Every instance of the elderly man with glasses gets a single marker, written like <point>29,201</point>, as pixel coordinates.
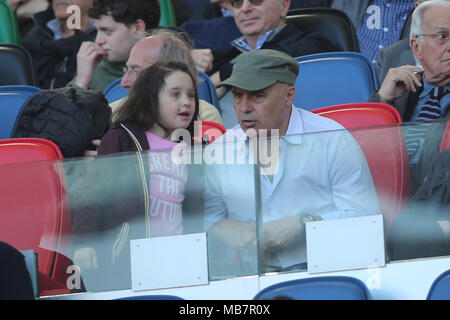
<point>263,26</point>
<point>421,95</point>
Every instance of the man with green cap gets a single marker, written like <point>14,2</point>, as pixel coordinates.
<point>304,177</point>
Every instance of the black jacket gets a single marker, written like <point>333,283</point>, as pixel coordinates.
<point>70,118</point>
<point>55,61</point>
<point>15,281</point>
<point>289,39</point>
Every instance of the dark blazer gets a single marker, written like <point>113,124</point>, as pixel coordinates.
<point>396,55</point>
<point>289,39</point>
<point>405,104</point>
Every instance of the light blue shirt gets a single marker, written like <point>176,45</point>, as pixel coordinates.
<point>323,174</point>
<point>243,44</point>
<point>227,13</point>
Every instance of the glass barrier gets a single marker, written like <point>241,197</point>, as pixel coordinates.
<point>254,198</point>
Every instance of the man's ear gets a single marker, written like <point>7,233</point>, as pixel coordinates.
<point>284,4</point>
<point>290,95</point>
<point>139,27</point>
<point>414,43</point>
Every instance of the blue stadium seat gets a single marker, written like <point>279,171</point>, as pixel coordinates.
<point>440,289</point>
<point>206,90</point>
<point>115,91</point>
<point>12,98</point>
<point>152,297</point>
<point>332,78</point>
<point>317,288</point>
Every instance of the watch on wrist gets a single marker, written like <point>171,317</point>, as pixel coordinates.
<point>306,218</point>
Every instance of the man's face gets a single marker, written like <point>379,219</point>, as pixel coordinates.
<point>255,20</point>
<point>60,7</point>
<point>115,38</point>
<point>268,108</point>
<point>142,56</point>
<point>434,50</point>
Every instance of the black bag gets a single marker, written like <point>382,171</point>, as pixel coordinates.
<point>70,118</point>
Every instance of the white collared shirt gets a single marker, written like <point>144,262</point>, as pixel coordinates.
<point>321,174</point>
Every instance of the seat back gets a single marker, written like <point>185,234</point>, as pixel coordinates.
<point>206,90</point>
<point>317,288</point>
<point>404,33</point>
<point>167,14</point>
<point>12,98</point>
<point>9,27</point>
<point>446,138</point>
<point>333,24</point>
<point>115,91</point>
<point>373,127</point>
<point>209,130</point>
<point>34,208</point>
<point>16,67</point>
<point>332,78</point>
<point>440,289</point>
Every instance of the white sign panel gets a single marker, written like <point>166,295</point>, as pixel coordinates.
<point>345,244</point>
<point>167,262</point>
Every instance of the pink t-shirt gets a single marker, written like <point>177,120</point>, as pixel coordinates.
<point>166,183</point>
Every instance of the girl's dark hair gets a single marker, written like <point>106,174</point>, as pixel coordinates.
<point>141,106</point>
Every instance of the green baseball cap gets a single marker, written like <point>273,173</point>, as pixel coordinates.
<point>258,69</point>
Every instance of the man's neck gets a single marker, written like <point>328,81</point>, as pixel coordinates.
<point>253,40</point>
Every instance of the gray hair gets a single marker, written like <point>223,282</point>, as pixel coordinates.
<point>417,17</point>
<point>175,48</point>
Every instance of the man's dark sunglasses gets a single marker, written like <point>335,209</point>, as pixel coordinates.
<point>238,3</point>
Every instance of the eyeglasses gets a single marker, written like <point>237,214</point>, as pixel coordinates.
<point>238,3</point>
<point>441,36</point>
<point>133,73</point>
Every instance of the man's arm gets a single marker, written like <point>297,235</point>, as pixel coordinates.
<point>398,81</point>
<point>88,57</point>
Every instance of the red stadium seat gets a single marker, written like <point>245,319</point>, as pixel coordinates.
<point>446,138</point>
<point>34,208</point>
<point>210,130</point>
<point>373,127</point>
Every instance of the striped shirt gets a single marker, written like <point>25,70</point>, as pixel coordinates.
<point>382,25</point>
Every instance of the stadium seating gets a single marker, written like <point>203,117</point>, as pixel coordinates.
<point>35,213</point>
<point>9,28</point>
<point>115,91</point>
<point>404,33</point>
<point>317,288</point>
<point>16,67</point>
<point>210,131</point>
<point>332,78</point>
<point>373,125</point>
<point>12,98</point>
<point>333,24</point>
<point>440,289</point>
